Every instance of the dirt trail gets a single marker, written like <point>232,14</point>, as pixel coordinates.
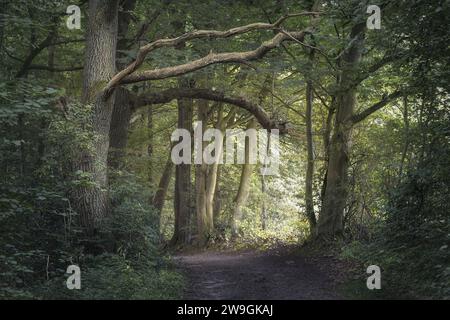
<point>275,274</point>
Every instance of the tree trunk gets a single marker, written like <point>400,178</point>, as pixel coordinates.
<point>204,224</point>
<point>213,174</point>
<point>217,207</point>
<point>118,132</point>
<point>335,196</point>
<point>406,138</point>
<point>309,200</point>
<point>244,186</point>
<point>183,185</point>
<point>91,200</point>
<point>150,143</point>
<point>122,110</point>
<point>163,186</point>
<point>263,205</point>
<point>160,195</point>
<point>3,11</point>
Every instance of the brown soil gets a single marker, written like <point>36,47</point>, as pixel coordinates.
<point>276,274</point>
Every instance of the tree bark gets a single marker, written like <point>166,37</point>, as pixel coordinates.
<point>204,224</point>
<point>244,186</point>
<point>91,200</point>
<point>406,138</point>
<point>309,200</point>
<point>163,186</point>
<point>150,143</point>
<point>217,206</point>
<point>118,132</point>
<point>122,110</point>
<point>213,174</point>
<point>183,184</point>
<point>328,126</point>
<point>255,109</point>
<point>331,217</point>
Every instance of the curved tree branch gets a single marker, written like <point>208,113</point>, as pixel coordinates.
<point>143,51</point>
<point>212,95</point>
<point>212,58</point>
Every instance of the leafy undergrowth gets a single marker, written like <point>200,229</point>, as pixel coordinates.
<point>347,273</point>
<point>113,277</point>
<point>407,272</point>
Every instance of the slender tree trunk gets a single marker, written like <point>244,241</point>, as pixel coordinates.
<point>163,186</point>
<point>328,126</point>
<point>269,81</point>
<point>406,137</point>
<point>204,225</point>
<point>309,200</point>
<point>91,200</point>
<point>3,10</point>
<point>335,196</point>
<point>263,189</point>
<point>150,142</point>
<point>244,186</point>
<point>183,184</point>
<point>263,205</point>
<point>213,175</point>
<point>122,110</point>
<point>119,128</point>
<point>217,206</point>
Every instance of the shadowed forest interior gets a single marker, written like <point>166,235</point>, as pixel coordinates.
<point>353,96</point>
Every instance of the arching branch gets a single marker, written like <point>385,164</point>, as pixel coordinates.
<point>212,95</point>
<point>212,58</point>
<point>124,76</point>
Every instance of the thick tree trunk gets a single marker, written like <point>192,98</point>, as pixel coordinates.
<point>244,186</point>
<point>183,184</point>
<point>91,200</point>
<point>335,196</point>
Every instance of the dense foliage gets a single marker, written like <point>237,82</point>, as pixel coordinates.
<point>364,156</point>
<point>40,236</point>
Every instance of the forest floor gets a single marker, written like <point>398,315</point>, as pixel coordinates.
<point>277,274</point>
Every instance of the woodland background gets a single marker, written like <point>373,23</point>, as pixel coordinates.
<point>85,169</point>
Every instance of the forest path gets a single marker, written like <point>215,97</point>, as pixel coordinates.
<point>275,274</point>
